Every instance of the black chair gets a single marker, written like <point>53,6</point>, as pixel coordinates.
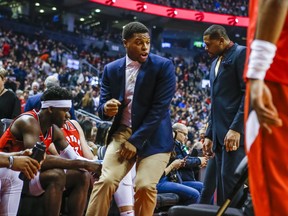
<point>102,132</point>
<point>241,174</point>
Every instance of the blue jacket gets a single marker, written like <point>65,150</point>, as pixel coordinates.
<point>154,89</point>
<point>227,96</point>
<point>186,172</point>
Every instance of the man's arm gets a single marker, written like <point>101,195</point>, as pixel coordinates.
<point>263,50</point>
<point>18,161</point>
<point>28,105</point>
<point>28,129</point>
<point>52,162</point>
<point>105,95</point>
<point>232,138</point>
<point>238,121</point>
<point>271,12</point>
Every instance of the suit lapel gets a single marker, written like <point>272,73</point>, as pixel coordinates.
<point>212,71</point>
<point>122,75</point>
<point>225,60</point>
<point>140,77</point>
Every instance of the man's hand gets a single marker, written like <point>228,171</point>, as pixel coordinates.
<point>232,140</point>
<point>111,107</point>
<point>27,165</point>
<point>204,161</point>
<point>93,166</point>
<point>261,100</point>
<point>207,147</point>
<point>127,150</point>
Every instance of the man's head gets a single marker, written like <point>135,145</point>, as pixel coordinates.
<point>136,40</point>
<point>58,102</point>
<point>181,132</point>
<point>35,86</point>
<point>51,81</point>
<point>216,40</point>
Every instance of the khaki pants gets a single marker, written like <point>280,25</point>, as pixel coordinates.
<point>148,172</point>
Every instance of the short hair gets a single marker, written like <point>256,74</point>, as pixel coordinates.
<point>216,32</point>
<point>35,84</point>
<point>3,73</point>
<point>51,81</point>
<point>56,93</point>
<point>178,126</point>
<point>133,27</point>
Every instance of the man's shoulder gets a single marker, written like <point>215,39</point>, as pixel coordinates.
<point>240,47</point>
<point>35,97</point>
<point>25,120</point>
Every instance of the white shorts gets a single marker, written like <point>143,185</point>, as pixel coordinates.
<point>35,188</point>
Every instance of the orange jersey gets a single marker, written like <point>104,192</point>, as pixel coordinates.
<point>72,136</point>
<point>277,72</point>
<point>9,143</point>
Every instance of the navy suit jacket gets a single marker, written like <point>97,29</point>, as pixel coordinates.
<point>154,89</point>
<point>227,96</point>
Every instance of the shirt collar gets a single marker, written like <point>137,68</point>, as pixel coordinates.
<point>131,62</point>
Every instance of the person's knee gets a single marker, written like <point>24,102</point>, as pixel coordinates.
<point>54,177</point>
<point>83,178</point>
<point>194,197</point>
<point>142,186</point>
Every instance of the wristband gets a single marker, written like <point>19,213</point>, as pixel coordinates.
<point>261,57</point>
<point>11,161</point>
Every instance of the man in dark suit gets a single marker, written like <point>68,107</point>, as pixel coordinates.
<point>226,123</point>
<point>136,91</point>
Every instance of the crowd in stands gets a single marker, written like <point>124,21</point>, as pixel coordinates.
<point>237,8</point>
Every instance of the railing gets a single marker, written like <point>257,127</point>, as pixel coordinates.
<point>103,127</point>
<point>86,66</point>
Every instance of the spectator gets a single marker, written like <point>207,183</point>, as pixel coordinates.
<point>88,103</point>
<point>9,103</point>
<point>181,182</point>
